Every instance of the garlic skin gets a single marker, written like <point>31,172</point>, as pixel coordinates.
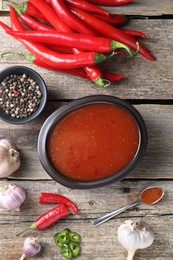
<point>30,247</point>
<point>133,235</point>
<point>9,158</point>
<point>12,197</point>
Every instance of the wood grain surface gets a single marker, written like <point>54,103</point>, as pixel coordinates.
<point>144,79</point>
<point>148,86</point>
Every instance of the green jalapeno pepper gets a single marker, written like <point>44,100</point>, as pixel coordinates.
<point>74,237</point>
<point>75,249</point>
<point>68,242</point>
<point>66,252</point>
<point>62,237</point>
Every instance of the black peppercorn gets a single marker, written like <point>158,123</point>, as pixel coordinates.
<point>19,95</point>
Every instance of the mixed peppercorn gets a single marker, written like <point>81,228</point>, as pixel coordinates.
<point>19,96</point>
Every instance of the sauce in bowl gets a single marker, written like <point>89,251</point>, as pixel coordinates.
<point>93,142</point>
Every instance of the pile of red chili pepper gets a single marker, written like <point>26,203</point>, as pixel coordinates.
<point>73,36</point>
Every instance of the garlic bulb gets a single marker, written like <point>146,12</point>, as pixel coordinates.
<point>134,235</point>
<point>12,197</point>
<point>30,247</point>
<point>9,158</point>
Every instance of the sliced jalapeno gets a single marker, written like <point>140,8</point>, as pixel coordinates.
<point>66,252</point>
<point>75,249</point>
<point>62,237</point>
<point>74,237</point>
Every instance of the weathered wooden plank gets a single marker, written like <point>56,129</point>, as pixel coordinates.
<point>98,243</point>
<point>144,79</point>
<point>157,162</point>
<point>91,203</point>
<point>145,7</point>
<point>138,7</point>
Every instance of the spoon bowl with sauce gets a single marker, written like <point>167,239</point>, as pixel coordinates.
<point>150,196</point>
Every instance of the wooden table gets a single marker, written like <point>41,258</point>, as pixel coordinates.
<point>149,87</point>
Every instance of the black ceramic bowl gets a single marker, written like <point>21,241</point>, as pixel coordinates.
<point>60,113</point>
<point>20,70</point>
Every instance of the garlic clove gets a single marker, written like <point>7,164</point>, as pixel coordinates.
<point>9,158</point>
<point>31,247</point>
<point>12,197</point>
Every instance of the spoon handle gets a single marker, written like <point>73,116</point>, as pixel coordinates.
<point>114,213</point>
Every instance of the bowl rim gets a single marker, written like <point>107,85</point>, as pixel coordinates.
<point>73,105</point>
<point>43,88</point>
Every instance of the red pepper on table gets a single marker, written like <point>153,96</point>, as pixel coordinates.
<point>114,19</point>
<point>110,2</point>
<point>98,74</point>
<point>112,77</point>
<point>35,24</point>
<point>28,9</point>
<point>48,218</point>
<point>69,18</point>
<point>84,5</point>
<point>134,33</point>
<point>81,41</point>
<point>50,15</point>
<point>95,73</point>
<point>112,32</point>
<point>52,198</point>
<point>53,58</point>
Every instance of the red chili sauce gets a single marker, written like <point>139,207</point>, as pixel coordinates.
<point>93,142</point>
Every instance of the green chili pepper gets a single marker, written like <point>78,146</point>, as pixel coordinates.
<point>75,249</point>
<point>68,242</point>
<point>66,252</point>
<point>74,237</point>
<point>62,237</point>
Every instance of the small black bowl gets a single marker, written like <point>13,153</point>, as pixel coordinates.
<point>61,112</point>
<point>20,70</point>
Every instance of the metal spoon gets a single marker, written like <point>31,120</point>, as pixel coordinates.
<point>114,213</point>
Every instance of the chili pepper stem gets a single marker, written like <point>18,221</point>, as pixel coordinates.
<point>137,50</point>
<point>107,83</point>
<point>32,227</point>
<point>99,82</point>
<point>27,56</point>
<point>99,58</point>
<point>118,45</point>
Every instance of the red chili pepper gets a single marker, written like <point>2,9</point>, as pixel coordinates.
<point>54,58</point>
<point>112,32</point>
<point>61,49</point>
<point>110,2</point>
<point>50,15</point>
<point>73,40</point>
<point>65,28</point>
<point>112,77</point>
<point>52,198</point>
<point>69,18</point>
<point>134,33</point>
<point>76,72</point>
<point>29,9</point>
<point>84,5</point>
<point>114,19</point>
<point>35,24</point>
<point>48,218</point>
